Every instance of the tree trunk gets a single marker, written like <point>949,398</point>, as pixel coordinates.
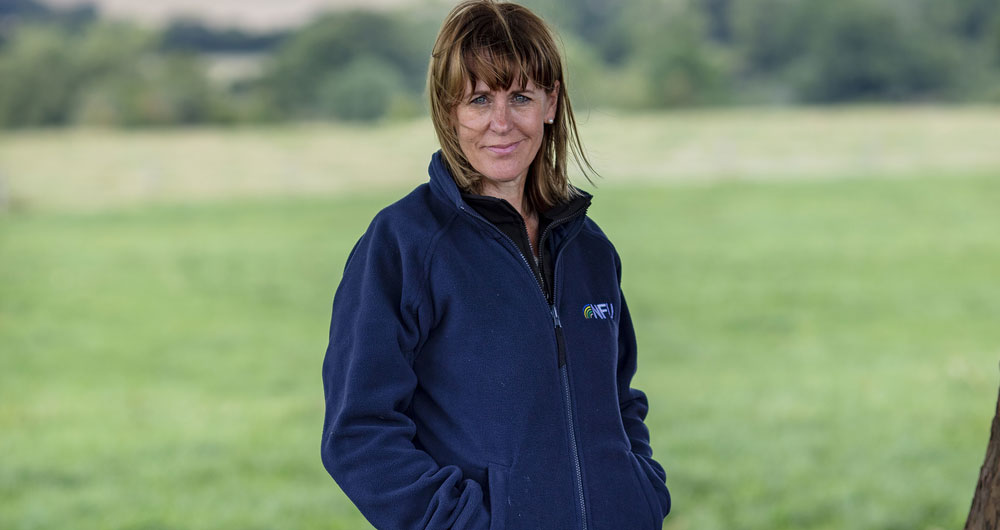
<point>985,512</point>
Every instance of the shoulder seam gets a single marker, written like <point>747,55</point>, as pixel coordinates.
<point>601,236</point>
<point>429,251</point>
<point>598,234</point>
<point>425,264</point>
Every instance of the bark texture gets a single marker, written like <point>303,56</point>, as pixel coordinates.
<point>985,512</point>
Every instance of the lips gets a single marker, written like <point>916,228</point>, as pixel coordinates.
<point>503,149</point>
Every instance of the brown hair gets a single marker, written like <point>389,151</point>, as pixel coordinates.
<point>502,43</point>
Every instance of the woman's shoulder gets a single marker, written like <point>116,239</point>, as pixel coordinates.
<point>600,241</point>
<point>407,228</point>
<point>591,230</point>
<point>417,215</point>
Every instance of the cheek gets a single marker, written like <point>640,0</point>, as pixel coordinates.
<point>531,124</point>
<point>470,118</point>
<point>466,135</point>
<point>467,138</point>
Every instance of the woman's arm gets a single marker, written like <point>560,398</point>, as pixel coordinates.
<point>634,404</point>
<point>368,380</point>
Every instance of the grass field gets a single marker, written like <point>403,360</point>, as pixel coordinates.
<point>819,352</point>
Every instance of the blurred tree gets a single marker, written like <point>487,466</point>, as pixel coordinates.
<point>193,36</point>
<point>993,43</point>
<point>604,24</point>
<point>719,14</point>
<point>110,49</point>
<point>15,13</point>
<point>644,53</point>
<point>867,51</point>
<point>772,34</point>
<point>596,84</point>
<point>985,511</point>
<point>971,19</point>
<point>363,90</point>
<point>978,23</point>
<point>23,8</point>
<point>30,95</point>
<point>304,64</point>
<point>125,81</point>
<point>161,90</point>
<point>107,74</point>
<point>682,67</point>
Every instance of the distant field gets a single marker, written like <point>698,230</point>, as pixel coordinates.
<point>250,14</point>
<point>88,169</point>
<point>818,341</point>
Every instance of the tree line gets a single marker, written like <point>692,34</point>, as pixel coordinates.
<point>60,67</point>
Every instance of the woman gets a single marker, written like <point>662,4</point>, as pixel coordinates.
<point>480,357</point>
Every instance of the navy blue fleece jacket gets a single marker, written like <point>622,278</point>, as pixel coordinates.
<point>457,397</point>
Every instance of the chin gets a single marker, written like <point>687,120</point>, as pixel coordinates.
<point>503,175</point>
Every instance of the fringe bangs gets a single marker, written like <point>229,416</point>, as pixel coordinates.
<point>489,52</point>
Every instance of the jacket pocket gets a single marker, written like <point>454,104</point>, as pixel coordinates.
<point>497,476</point>
<point>647,490</point>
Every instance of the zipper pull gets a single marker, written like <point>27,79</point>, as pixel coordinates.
<point>555,316</point>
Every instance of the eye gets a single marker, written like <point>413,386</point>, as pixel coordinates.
<point>520,98</point>
<point>478,100</point>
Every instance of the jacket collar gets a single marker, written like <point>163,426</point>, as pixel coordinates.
<point>442,182</point>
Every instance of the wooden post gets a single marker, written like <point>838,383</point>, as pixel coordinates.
<point>985,512</point>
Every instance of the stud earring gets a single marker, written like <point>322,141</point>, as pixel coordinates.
<point>550,121</point>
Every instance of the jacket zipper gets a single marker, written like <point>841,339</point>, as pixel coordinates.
<point>564,378</point>
<point>561,348</point>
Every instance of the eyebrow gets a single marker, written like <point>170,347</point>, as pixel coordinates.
<point>488,92</point>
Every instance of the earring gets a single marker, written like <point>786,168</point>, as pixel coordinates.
<point>550,121</point>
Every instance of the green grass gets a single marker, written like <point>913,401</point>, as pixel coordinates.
<point>817,354</point>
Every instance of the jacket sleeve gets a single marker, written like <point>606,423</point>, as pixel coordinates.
<point>368,380</point>
<point>634,404</point>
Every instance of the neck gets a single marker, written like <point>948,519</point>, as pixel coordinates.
<point>512,192</point>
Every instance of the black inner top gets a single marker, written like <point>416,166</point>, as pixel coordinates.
<point>505,217</point>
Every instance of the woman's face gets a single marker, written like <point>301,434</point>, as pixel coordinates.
<point>500,131</point>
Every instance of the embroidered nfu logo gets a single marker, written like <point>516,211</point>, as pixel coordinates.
<point>602,311</point>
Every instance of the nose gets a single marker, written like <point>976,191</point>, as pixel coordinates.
<point>500,117</point>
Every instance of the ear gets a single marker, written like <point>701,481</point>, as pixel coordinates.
<point>553,101</point>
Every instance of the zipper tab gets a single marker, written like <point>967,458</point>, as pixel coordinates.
<point>560,339</point>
